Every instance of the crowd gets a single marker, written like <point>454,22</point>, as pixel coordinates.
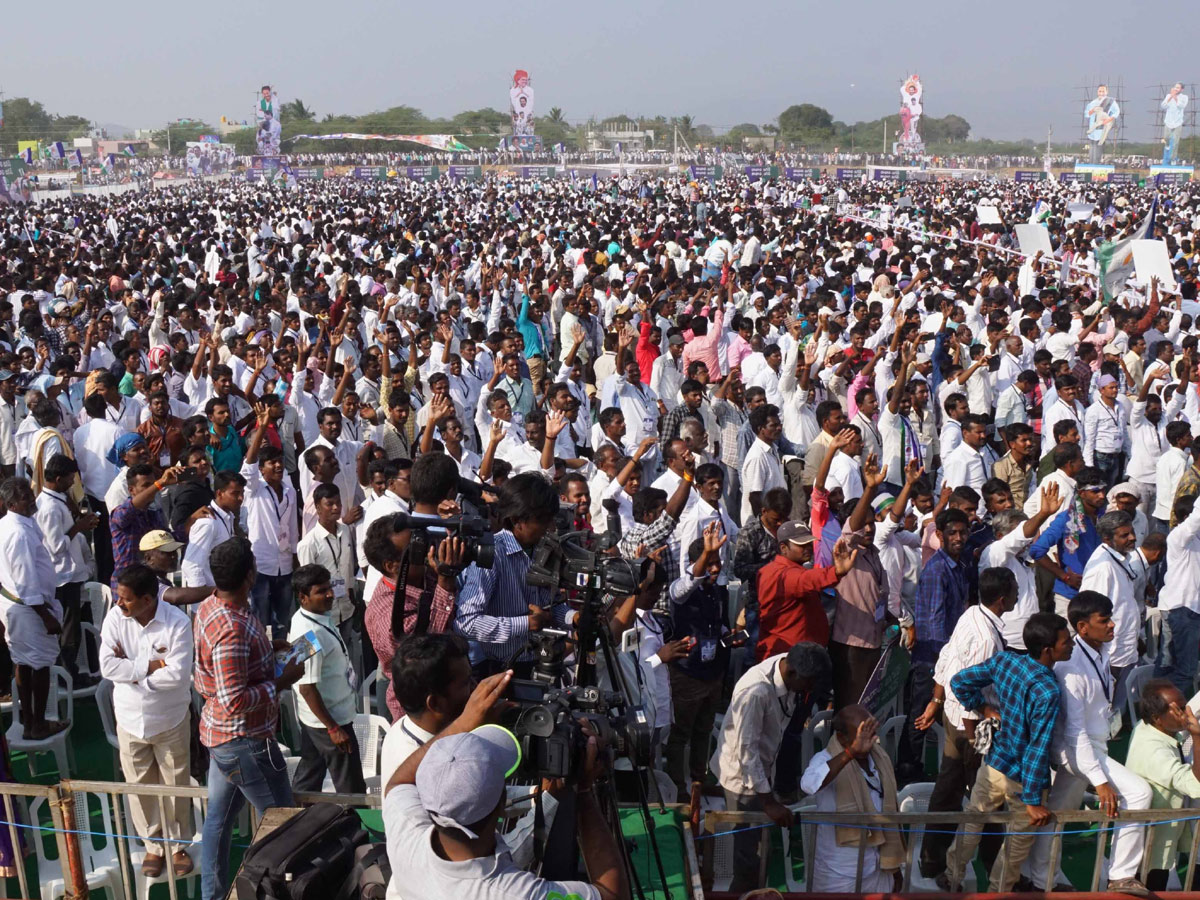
<point>817,436</point>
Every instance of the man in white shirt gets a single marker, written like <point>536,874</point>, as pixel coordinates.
<point>326,702</point>
<point>1174,461</point>
<point>765,701</point>
<point>1149,440</point>
<point>396,481</point>
<point>666,374</point>
<point>329,543</point>
<point>965,466</point>
<point>1179,601</point>
<point>1109,573</point>
<point>146,652</point>
<point>92,442</point>
<point>1065,406</point>
<point>272,525</point>
<point>762,469</point>
<point>1106,432</point>
<point>1090,718</point>
<point>220,524</point>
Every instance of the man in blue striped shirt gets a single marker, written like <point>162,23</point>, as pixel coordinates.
<point>1016,771</point>
<point>496,608</point>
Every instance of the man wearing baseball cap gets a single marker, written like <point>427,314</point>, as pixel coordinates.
<point>441,808</point>
<point>160,553</point>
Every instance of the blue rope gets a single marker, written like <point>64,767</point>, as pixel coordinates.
<point>1111,826</point>
<point>47,829</point>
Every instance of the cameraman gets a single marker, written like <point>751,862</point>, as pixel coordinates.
<point>496,608</point>
<point>441,808</point>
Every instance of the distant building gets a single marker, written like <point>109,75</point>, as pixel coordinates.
<point>605,137</point>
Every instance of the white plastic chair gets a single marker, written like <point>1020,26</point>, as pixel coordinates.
<point>367,693</point>
<point>99,597</point>
<point>108,718</point>
<point>137,851</point>
<point>87,632</point>
<point>60,706</point>
<point>915,798</point>
<point>889,736</point>
<point>370,730</point>
<point>1133,689</point>
<point>98,849</point>
<point>815,736</point>
<point>807,834</point>
<point>289,722</point>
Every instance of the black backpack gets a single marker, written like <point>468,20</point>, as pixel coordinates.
<point>309,857</point>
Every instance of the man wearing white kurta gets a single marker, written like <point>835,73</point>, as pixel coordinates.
<point>1081,735</point>
<point>1108,572</point>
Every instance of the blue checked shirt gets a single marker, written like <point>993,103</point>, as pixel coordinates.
<point>493,604</point>
<point>941,598</point>
<point>1028,695</point>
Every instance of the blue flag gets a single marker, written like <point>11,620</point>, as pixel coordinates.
<point>595,183</point>
<point>76,157</point>
<point>514,211</point>
<point>128,150</point>
<point>58,151</point>
<point>27,155</point>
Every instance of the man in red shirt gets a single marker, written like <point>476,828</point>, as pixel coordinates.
<point>789,595</point>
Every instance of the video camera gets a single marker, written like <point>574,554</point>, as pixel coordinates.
<point>429,531</point>
<point>548,717</point>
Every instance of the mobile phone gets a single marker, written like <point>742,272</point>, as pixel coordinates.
<point>735,638</point>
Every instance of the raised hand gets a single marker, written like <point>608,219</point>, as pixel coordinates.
<point>555,423</point>
<point>842,439</point>
<point>872,475</point>
<point>864,740</point>
<point>913,472</point>
<point>1051,498</point>
<point>714,537</point>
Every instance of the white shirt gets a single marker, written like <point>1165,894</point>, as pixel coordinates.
<point>92,441</point>
<point>768,379</point>
<point>1171,466</point>
<point>1148,442</point>
<point>1109,572</point>
<point>748,745</point>
<point>383,505</point>
<point>54,518</point>
<point>271,522</point>
<point>1085,698</point>
<point>1183,566</point>
<point>147,705</point>
<point>328,669</point>
<point>1105,429</point>
<point>838,871</point>
<point>844,473</point>
<point>1059,410</point>
<point>336,553</point>
<point>965,466</point>
<point>977,637</point>
<point>207,532</point>
<point>1011,406</point>
<point>698,516</point>
<point>1009,552</point>
<point>762,470</point>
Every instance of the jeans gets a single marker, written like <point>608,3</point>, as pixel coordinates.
<point>1171,136</point>
<point>1179,648</point>
<point>1111,465</point>
<point>271,601</point>
<point>239,770</point>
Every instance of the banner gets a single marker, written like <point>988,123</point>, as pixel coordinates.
<point>521,105</point>
<point>889,175</point>
<point>802,174</point>
<point>423,173</point>
<point>756,173</point>
<point>850,174</point>
<point>537,171</point>
<point>371,173</point>
<point>1071,177</point>
<point>710,173</point>
<point>1026,176</point>
<point>207,158</point>
<point>887,681</point>
<point>471,173</point>
<point>447,142</point>
<point>309,173</point>
<point>266,117</point>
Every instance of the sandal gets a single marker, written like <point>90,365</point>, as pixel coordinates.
<point>152,866</point>
<point>182,863</point>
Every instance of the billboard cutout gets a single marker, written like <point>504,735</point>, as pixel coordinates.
<point>207,158</point>
<point>266,117</point>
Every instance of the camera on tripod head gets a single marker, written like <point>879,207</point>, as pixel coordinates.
<point>429,531</point>
<point>548,716</point>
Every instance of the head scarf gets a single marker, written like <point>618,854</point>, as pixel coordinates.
<point>116,455</point>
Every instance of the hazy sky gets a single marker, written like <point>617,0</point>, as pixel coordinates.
<point>1011,69</point>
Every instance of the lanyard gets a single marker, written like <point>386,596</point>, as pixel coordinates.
<point>336,554</point>
<point>337,637</point>
<point>1104,682</point>
<point>1120,562</point>
<point>279,511</point>
<point>404,728</point>
<point>216,515</point>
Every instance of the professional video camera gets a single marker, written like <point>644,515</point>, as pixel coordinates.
<point>428,531</point>
<point>548,716</point>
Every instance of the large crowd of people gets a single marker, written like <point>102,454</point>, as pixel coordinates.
<point>822,419</point>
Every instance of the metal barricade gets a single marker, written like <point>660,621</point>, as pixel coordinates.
<point>14,810</point>
<point>718,823</point>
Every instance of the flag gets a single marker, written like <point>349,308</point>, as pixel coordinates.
<point>128,150</point>
<point>104,162</point>
<point>1116,257</point>
<point>58,151</point>
<point>1041,212</point>
<point>595,183</point>
<point>560,148</point>
<point>77,157</point>
<point>27,155</point>
<point>617,148</point>
<point>503,145</point>
<point>514,212</point>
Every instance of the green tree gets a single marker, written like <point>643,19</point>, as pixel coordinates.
<point>805,122</point>
<point>556,116</point>
<point>28,120</point>
<point>180,132</point>
<point>295,110</point>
